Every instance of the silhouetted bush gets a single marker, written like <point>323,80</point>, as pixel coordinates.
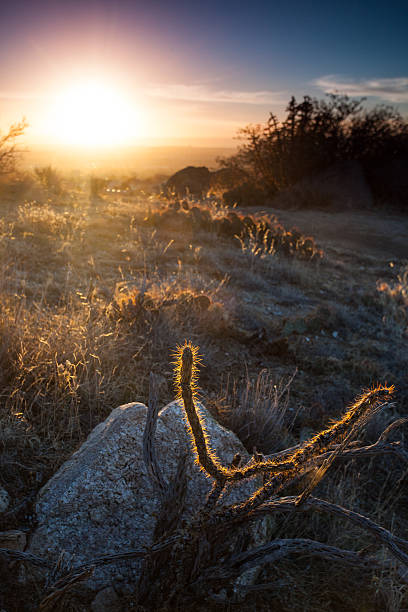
<point>316,135</point>
<point>8,148</point>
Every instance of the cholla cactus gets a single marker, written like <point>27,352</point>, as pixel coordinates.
<point>279,472</point>
<point>202,557</point>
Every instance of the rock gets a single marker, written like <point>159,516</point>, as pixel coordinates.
<point>106,601</point>
<point>194,180</point>
<point>13,539</point>
<point>4,500</point>
<point>225,178</point>
<point>101,500</point>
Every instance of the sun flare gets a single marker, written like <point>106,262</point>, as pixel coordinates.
<point>94,114</point>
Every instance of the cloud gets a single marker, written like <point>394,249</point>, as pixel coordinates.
<point>391,90</point>
<point>201,93</point>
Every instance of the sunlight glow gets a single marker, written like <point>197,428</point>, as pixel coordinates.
<point>92,114</point>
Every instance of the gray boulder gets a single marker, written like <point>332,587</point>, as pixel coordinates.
<point>101,501</point>
<point>194,180</point>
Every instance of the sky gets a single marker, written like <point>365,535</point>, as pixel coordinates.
<point>115,73</point>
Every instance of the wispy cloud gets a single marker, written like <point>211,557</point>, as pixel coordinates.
<point>391,90</point>
<point>202,93</point>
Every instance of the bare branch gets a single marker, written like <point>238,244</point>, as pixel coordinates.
<point>61,587</point>
<point>16,555</point>
<point>279,549</point>
<point>385,434</point>
<point>149,452</point>
<point>381,447</point>
<point>397,546</point>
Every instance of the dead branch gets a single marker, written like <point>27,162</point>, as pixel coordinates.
<point>277,550</point>
<point>385,434</point>
<point>149,452</point>
<point>61,587</point>
<point>16,555</point>
<point>397,546</point>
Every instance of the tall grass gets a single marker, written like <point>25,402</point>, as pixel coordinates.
<point>394,299</point>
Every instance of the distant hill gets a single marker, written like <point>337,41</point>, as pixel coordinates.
<point>141,160</point>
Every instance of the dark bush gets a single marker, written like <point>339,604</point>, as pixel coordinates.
<point>315,136</point>
<point>8,148</point>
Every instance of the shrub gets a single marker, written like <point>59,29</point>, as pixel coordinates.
<point>8,148</point>
<point>257,235</point>
<point>315,135</point>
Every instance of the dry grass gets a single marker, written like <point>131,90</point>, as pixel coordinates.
<point>394,299</point>
<point>95,294</point>
<point>258,411</point>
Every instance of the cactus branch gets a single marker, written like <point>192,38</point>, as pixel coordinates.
<point>186,375</point>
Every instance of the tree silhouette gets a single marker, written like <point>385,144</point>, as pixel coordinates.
<point>8,146</point>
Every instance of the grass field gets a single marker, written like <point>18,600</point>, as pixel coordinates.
<point>96,294</point>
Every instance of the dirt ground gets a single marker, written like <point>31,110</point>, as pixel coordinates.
<point>384,236</point>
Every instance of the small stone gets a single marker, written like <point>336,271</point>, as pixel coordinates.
<point>4,500</point>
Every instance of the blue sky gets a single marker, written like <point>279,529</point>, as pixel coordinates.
<point>201,70</point>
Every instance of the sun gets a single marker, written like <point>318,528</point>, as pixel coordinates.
<point>92,113</point>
